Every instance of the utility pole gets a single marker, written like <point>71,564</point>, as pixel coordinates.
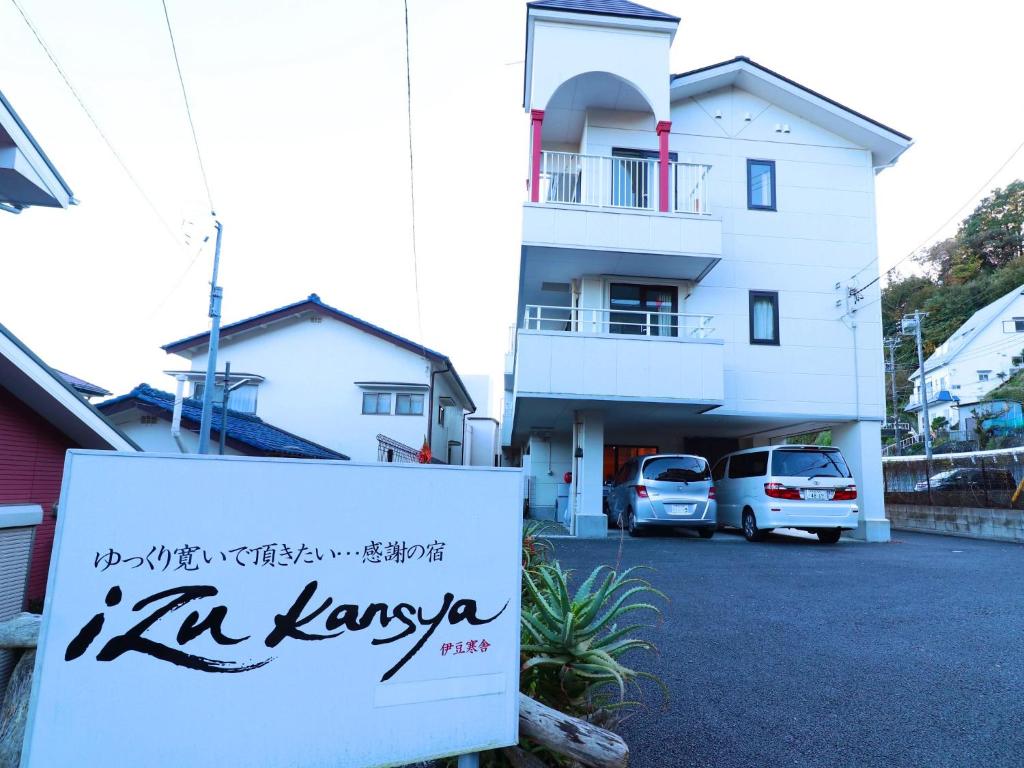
<point>912,324</point>
<point>892,343</point>
<point>216,294</point>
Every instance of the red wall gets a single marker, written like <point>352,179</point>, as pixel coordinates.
<point>31,465</point>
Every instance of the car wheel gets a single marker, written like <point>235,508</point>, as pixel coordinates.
<point>707,533</point>
<point>631,524</point>
<point>829,535</point>
<point>750,530</point>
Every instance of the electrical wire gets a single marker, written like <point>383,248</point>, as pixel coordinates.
<point>188,108</point>
<point>95,123</point>
<point>412,174</point>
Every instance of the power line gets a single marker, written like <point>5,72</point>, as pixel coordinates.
<point>944,224</point>
<point>188,108</point>
<point>412,175</point>
<point>81,103</point>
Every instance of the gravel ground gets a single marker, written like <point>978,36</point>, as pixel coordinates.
<point>794,653</point>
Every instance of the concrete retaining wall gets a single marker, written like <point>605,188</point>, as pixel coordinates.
<point>969,522</point>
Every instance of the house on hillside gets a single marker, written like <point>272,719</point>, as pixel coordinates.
<point>41,417</point>
<point>338,381</point>
<point>687,251</point>
<point>979,356</point>
<point>147,416</point>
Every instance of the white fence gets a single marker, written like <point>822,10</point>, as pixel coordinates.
<point>538,317</point>
<point>621,182</point>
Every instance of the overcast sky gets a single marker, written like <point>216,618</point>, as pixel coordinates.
<point>300,110</point>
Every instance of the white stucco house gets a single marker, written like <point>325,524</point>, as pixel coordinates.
<point>692,254</point>
<point>336,381</point>
<point>977,358</point>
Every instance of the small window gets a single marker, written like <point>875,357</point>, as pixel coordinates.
<point>983,375</point>
<point>1018,324</point>
<point>761,185</point>
<point>676,469</point>
<point>764,317</point>
<point>719,471</point>
<point>409,405</point>
<point>377,403</point>
<point>749,464</point>
<point>809,463</point>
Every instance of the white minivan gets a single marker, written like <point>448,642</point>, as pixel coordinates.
<point>808,487</point>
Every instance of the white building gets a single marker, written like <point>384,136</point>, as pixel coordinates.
<point>976,359</point>
<point>692,245</point>
<point>337,381</point>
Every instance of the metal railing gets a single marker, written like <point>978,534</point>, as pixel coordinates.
<point>390,450</point>
<point>538,317</point>
<point>620,182</point>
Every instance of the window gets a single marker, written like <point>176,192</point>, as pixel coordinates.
<point>634,172</point>
<point>749,464</point>
<point>241,398</point>
<point>616,456</point>
<point>647,310</point>
<point>409,405</point>
<point>764,317</point>
<point>983,375</point>
<point>719,471</point>
<point>1018,324</point>
<point>677,469</point>
<point>761,185</point>
<point>377,403</point>
<point>809,462</point>
<point>440,415</point>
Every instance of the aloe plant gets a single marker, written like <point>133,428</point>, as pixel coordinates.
<point>573,644</point>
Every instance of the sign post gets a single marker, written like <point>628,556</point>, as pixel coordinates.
<point>304,613</point>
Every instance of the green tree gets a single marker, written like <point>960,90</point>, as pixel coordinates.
<point>993,231</point>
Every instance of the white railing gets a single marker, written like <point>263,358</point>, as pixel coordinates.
<point>538,317</point>
<point>691,188</point>
<point>621,182</point>
<point>906,442</point>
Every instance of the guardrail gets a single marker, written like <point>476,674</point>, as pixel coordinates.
<point>539,317</point>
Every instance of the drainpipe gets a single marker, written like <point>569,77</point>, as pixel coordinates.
<point>430,417</point>
<point>176,416</point>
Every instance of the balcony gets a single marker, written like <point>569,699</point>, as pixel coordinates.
<point>622,182</point>
<point>600,354</point>
<point>934,398</point>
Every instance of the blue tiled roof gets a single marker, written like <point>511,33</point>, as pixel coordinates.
<point>622,8</point>
<point>82,385</point>
<point>242,427</point>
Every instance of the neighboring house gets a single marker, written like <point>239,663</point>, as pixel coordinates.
<point>145,414</point>
<point>27,177</point>
<point>689,248</point>
<point>977,358</point>
<point>41,417</point>
<point>83,387</point>
<point>337,380</point>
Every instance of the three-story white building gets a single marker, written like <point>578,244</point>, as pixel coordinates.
<point>693,248</point>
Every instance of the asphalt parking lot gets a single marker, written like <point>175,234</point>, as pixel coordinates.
<point>794,653</point>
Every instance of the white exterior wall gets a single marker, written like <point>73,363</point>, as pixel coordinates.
<point>311,370</point>
<point>481,446</point>
<point>156,438</point>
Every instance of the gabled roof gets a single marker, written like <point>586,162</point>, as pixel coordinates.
<point>885,143</point>
<point>969,331</point>
<point>313,304</point>
<point>621,8</point>
<point>82,386</point>
<point>28,172</point>
<point>46,393</point>
<point>245,431</point>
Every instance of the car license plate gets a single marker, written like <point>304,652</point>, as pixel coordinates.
<point>817,495</point>
<point>679,509</point>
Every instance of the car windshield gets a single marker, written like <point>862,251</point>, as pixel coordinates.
<point>809,462</point>
<point>677,469</point>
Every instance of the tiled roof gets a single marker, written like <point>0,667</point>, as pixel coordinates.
<point>83,386</point>
<point>244,428</point>
<point>622,8</point>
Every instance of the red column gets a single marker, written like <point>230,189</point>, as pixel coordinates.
<point>663,128</point>
<point>537,123</point>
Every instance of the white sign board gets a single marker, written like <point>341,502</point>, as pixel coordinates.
<point>238,611</point>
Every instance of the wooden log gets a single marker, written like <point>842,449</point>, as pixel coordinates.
<point>20,631</point>
<point>14,712</point>
<point>588,744</point>
<point>520,758</point>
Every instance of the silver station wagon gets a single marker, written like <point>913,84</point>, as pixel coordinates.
<point>663,490</point>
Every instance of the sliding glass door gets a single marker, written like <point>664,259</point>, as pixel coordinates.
<point>643,309</point>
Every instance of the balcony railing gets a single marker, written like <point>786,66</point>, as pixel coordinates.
<point>621,182</point>
<point>539,317</point>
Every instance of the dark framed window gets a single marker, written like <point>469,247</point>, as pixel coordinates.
<point>764,317</point>
<point>1018,324</point>
<point>408,405</point>
<point>761,185</point>
<point>376,403</point>
<point>646,310</point>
